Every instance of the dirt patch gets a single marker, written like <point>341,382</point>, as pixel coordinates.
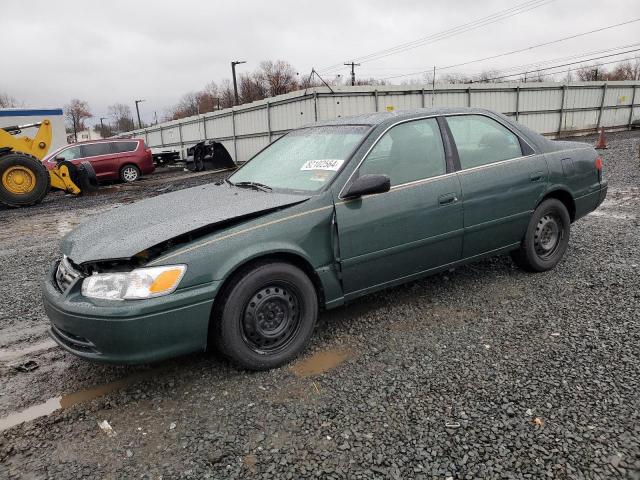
<point>320,362</point>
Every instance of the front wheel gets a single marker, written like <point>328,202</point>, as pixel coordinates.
<point>129,173</point>
<point>546,238</point>
<point>266,316</point>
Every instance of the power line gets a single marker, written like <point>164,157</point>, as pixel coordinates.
<point>516,51</point>
<point>564,65</point>
<point>494,17</point>
<point>537,65</point>
<point>371,70</point>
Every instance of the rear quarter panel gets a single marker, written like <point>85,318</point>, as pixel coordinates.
<point>572,168</point>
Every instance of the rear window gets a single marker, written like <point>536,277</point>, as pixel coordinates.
<point>95,149</point>
<point>123,147</point>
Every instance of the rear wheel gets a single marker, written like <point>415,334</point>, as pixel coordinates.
<point>266,316</point>
<point>546,238</point>
<point>24,180</point>
<point>129,173</point>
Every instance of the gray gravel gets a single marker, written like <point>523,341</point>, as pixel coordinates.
<point>483,372</point>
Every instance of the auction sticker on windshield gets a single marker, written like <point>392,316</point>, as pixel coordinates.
<point>328,164</point>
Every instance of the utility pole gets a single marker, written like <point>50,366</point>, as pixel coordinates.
<point>353,71</point>
<point>138,112</point>
<point>233,73</point>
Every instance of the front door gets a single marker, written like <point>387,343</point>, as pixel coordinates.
<point>413,228</point>
<point>501,178</point>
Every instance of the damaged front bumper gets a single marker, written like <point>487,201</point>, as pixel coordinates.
<point>130,331</point>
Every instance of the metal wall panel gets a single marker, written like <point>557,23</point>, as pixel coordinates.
<point>541,122</point>
<point>253,121</point>
<point>500,101</point>
<point>219,126</point>
<point>398,101</point>
<point>248,147</point>
<point>448,99</point>
<point>285,116</point>
<point>154,139</point>
<point>194,131</point>
<point>543,99</point>
<point>615,117</point>
<point>618,96</point>
<point>539,108</point>
<point>579,120</point>
<point>583,98</point>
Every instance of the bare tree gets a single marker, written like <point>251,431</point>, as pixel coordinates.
<point>488,76</point>
<point>122,117</point>
<point>455,78</point>
<point>588,73</point>
<point>105,131</point>
<point>227,98</point>
<point>279,77</point>
<point>252,87</point>
<point>7,101</point>
<point>76,112</point>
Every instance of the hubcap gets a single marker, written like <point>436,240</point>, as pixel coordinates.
<point>130,174</point>
<point>271,318</point>
<point>18,180</point>
<point>547,236</point>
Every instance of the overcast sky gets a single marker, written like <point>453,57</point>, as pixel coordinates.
<point>118,51</point>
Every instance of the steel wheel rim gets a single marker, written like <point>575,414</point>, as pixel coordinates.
<point>18,180</point>
<point>130,174</point>
<point>271,318</point>
<point>548,236</point>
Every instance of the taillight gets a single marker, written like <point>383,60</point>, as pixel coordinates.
<point>598,165</point>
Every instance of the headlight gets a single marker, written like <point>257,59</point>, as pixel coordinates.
<point>137,284</point>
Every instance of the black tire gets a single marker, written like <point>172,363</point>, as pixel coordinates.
<point>41,186</point>
<point>265,315</point>
<point>546,238</point>
<point>129,173</point>
<point>86,178</point>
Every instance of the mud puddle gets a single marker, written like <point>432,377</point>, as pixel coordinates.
<point>321,362</point>
<point>13,354</point>
<point>66,401</point>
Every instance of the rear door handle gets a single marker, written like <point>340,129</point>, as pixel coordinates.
<point>536,176</point>
<point>447,199</point>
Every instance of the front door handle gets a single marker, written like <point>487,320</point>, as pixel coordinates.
<point>536,176</point>
<point>447,199</point>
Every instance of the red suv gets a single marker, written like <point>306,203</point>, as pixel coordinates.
<point>112,159</point>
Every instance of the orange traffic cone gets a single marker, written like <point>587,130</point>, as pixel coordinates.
<point>602,141</point>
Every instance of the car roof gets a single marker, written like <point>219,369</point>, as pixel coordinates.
<point>378,118</point>
<point>104,140</point>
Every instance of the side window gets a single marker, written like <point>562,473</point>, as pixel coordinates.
<point>123,147</point>
<point>481,140</point>
<point>94,149</point>
<point>70,153</point>
<point>408,152</point>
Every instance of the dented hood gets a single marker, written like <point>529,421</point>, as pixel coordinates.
<point>127,230</point>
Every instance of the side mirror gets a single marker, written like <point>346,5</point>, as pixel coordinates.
<point>368,185</point>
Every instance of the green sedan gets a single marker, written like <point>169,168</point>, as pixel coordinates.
<point>325,214</point>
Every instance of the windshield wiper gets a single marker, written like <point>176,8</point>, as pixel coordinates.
<point>258,186</point>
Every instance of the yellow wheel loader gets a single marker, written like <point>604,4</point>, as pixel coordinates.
<point>24,180</point>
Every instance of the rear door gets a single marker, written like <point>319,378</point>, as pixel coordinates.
<point>101,158</point>
<point>501,178</point>
<point>413,228</point>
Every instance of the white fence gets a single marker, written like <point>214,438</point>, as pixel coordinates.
<point>549,108</point>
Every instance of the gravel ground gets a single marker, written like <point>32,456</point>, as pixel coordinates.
<point>482,372</point>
